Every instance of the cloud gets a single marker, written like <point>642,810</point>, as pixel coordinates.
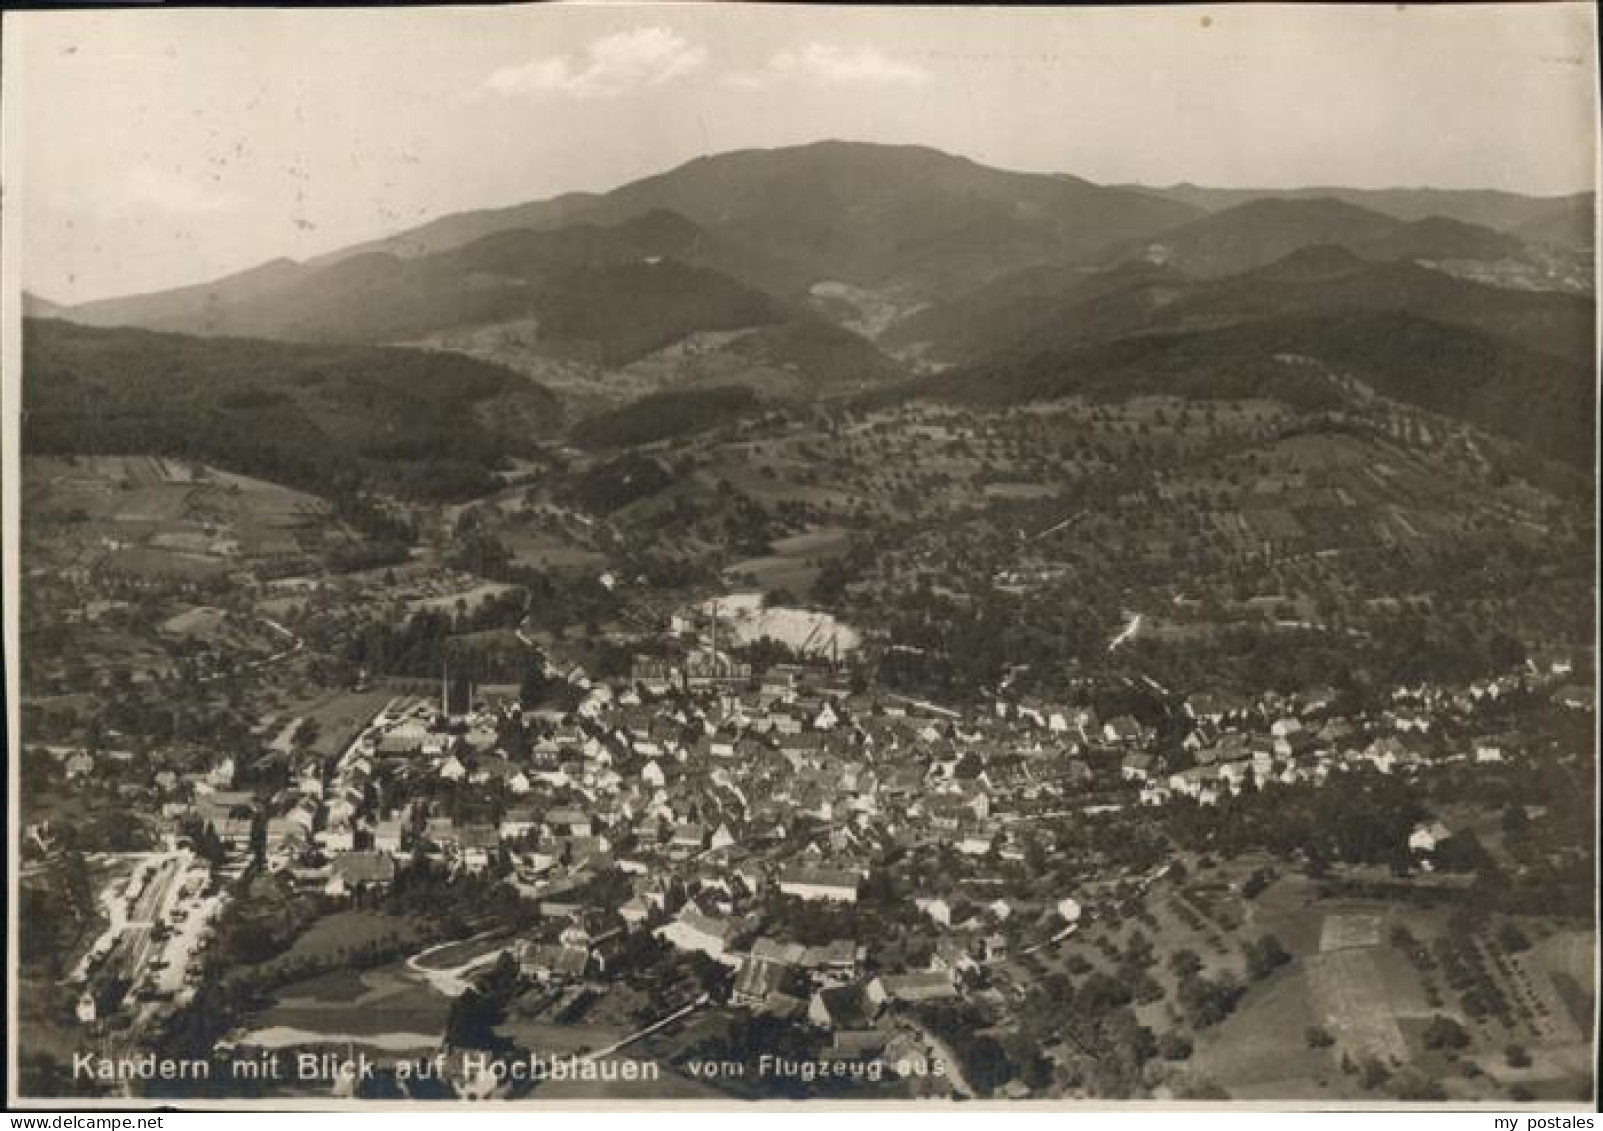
<point>146,188</point>
<point>826,64</point>
<point>610,66</point>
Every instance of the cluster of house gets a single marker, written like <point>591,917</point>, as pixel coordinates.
<point>830,984</point>
<point>793,783</point>
<point>708,797</point>
<point>1233,740</point>
<point>704,766</point>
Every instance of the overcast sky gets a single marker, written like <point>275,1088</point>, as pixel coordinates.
<point>154,148</point>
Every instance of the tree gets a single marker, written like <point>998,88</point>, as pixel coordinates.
<point>473,1017</point>
<point>1185,963</point>
<point>1462,852</point>
<point>1207,1002</point>
<point>1512,939</point>
<point>1445,1033</point>
<point>1256,883</point>
<point>258,840</point>
<point>533,684</point>
<point>1100,994</point>
<point>472,1020</point>
<point>985,1064</point>
<point>1036,1072</point>
<point>1174,1046</point>
<point>208,845</point>
<point>1517,1056</point>
<point>1138,950</point>
<point>1264,956</point>
<point>1372,1074</point>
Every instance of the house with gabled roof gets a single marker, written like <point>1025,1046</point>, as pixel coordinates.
<point>518,822</point>
<point>1137,767</point>
<point>835,960</point>
<point>688,837</point>
<point>441,831</point>
<point>693,930</point>
<point>352,872</point>
<point>340,836</point>
<point>1124,729</point>
<point>1427,836</point>
<point>1218,708</point>
<point>841,1007</point>
<point>567,821</point>
<point>816,883</point>
<point>387,835</point>
<point>756,980</point>
<point>547,962</point>
<point>912,988</point>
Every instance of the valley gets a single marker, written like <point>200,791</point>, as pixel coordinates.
<point>842,603</point>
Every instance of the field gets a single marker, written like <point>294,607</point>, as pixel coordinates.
<point>469,597</point>
<point>1557,978</point>
<point>332,935</point>
<point>1349,974</point>
<point>794,564</point>
<point>1350,978</point>
<point>1343,932</point>
<point>340,717</point>
<point>387,1000</point>
<point>392,1008</point>
<point>1367,997</point>
<point>240,638</point>
<point>335,986</point>
<point>388,1007</point>
<point>1359,995</point>
<point>179,516</point>
<point>151,562</point>
<point>546,550</point>
<point>517,345</point>
<point>1260,1048</point>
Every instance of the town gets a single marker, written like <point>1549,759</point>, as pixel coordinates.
<point>643,864</point>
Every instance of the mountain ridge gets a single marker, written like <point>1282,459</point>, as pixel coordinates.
<point>325,418</point>
<point>1499,209</point>
<point>1258,232</point>
<point>1136,296</point>
<point>884,213</point>
<point>1492,383</point>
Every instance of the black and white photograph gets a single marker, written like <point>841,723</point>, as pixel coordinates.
<point>700,555</point>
